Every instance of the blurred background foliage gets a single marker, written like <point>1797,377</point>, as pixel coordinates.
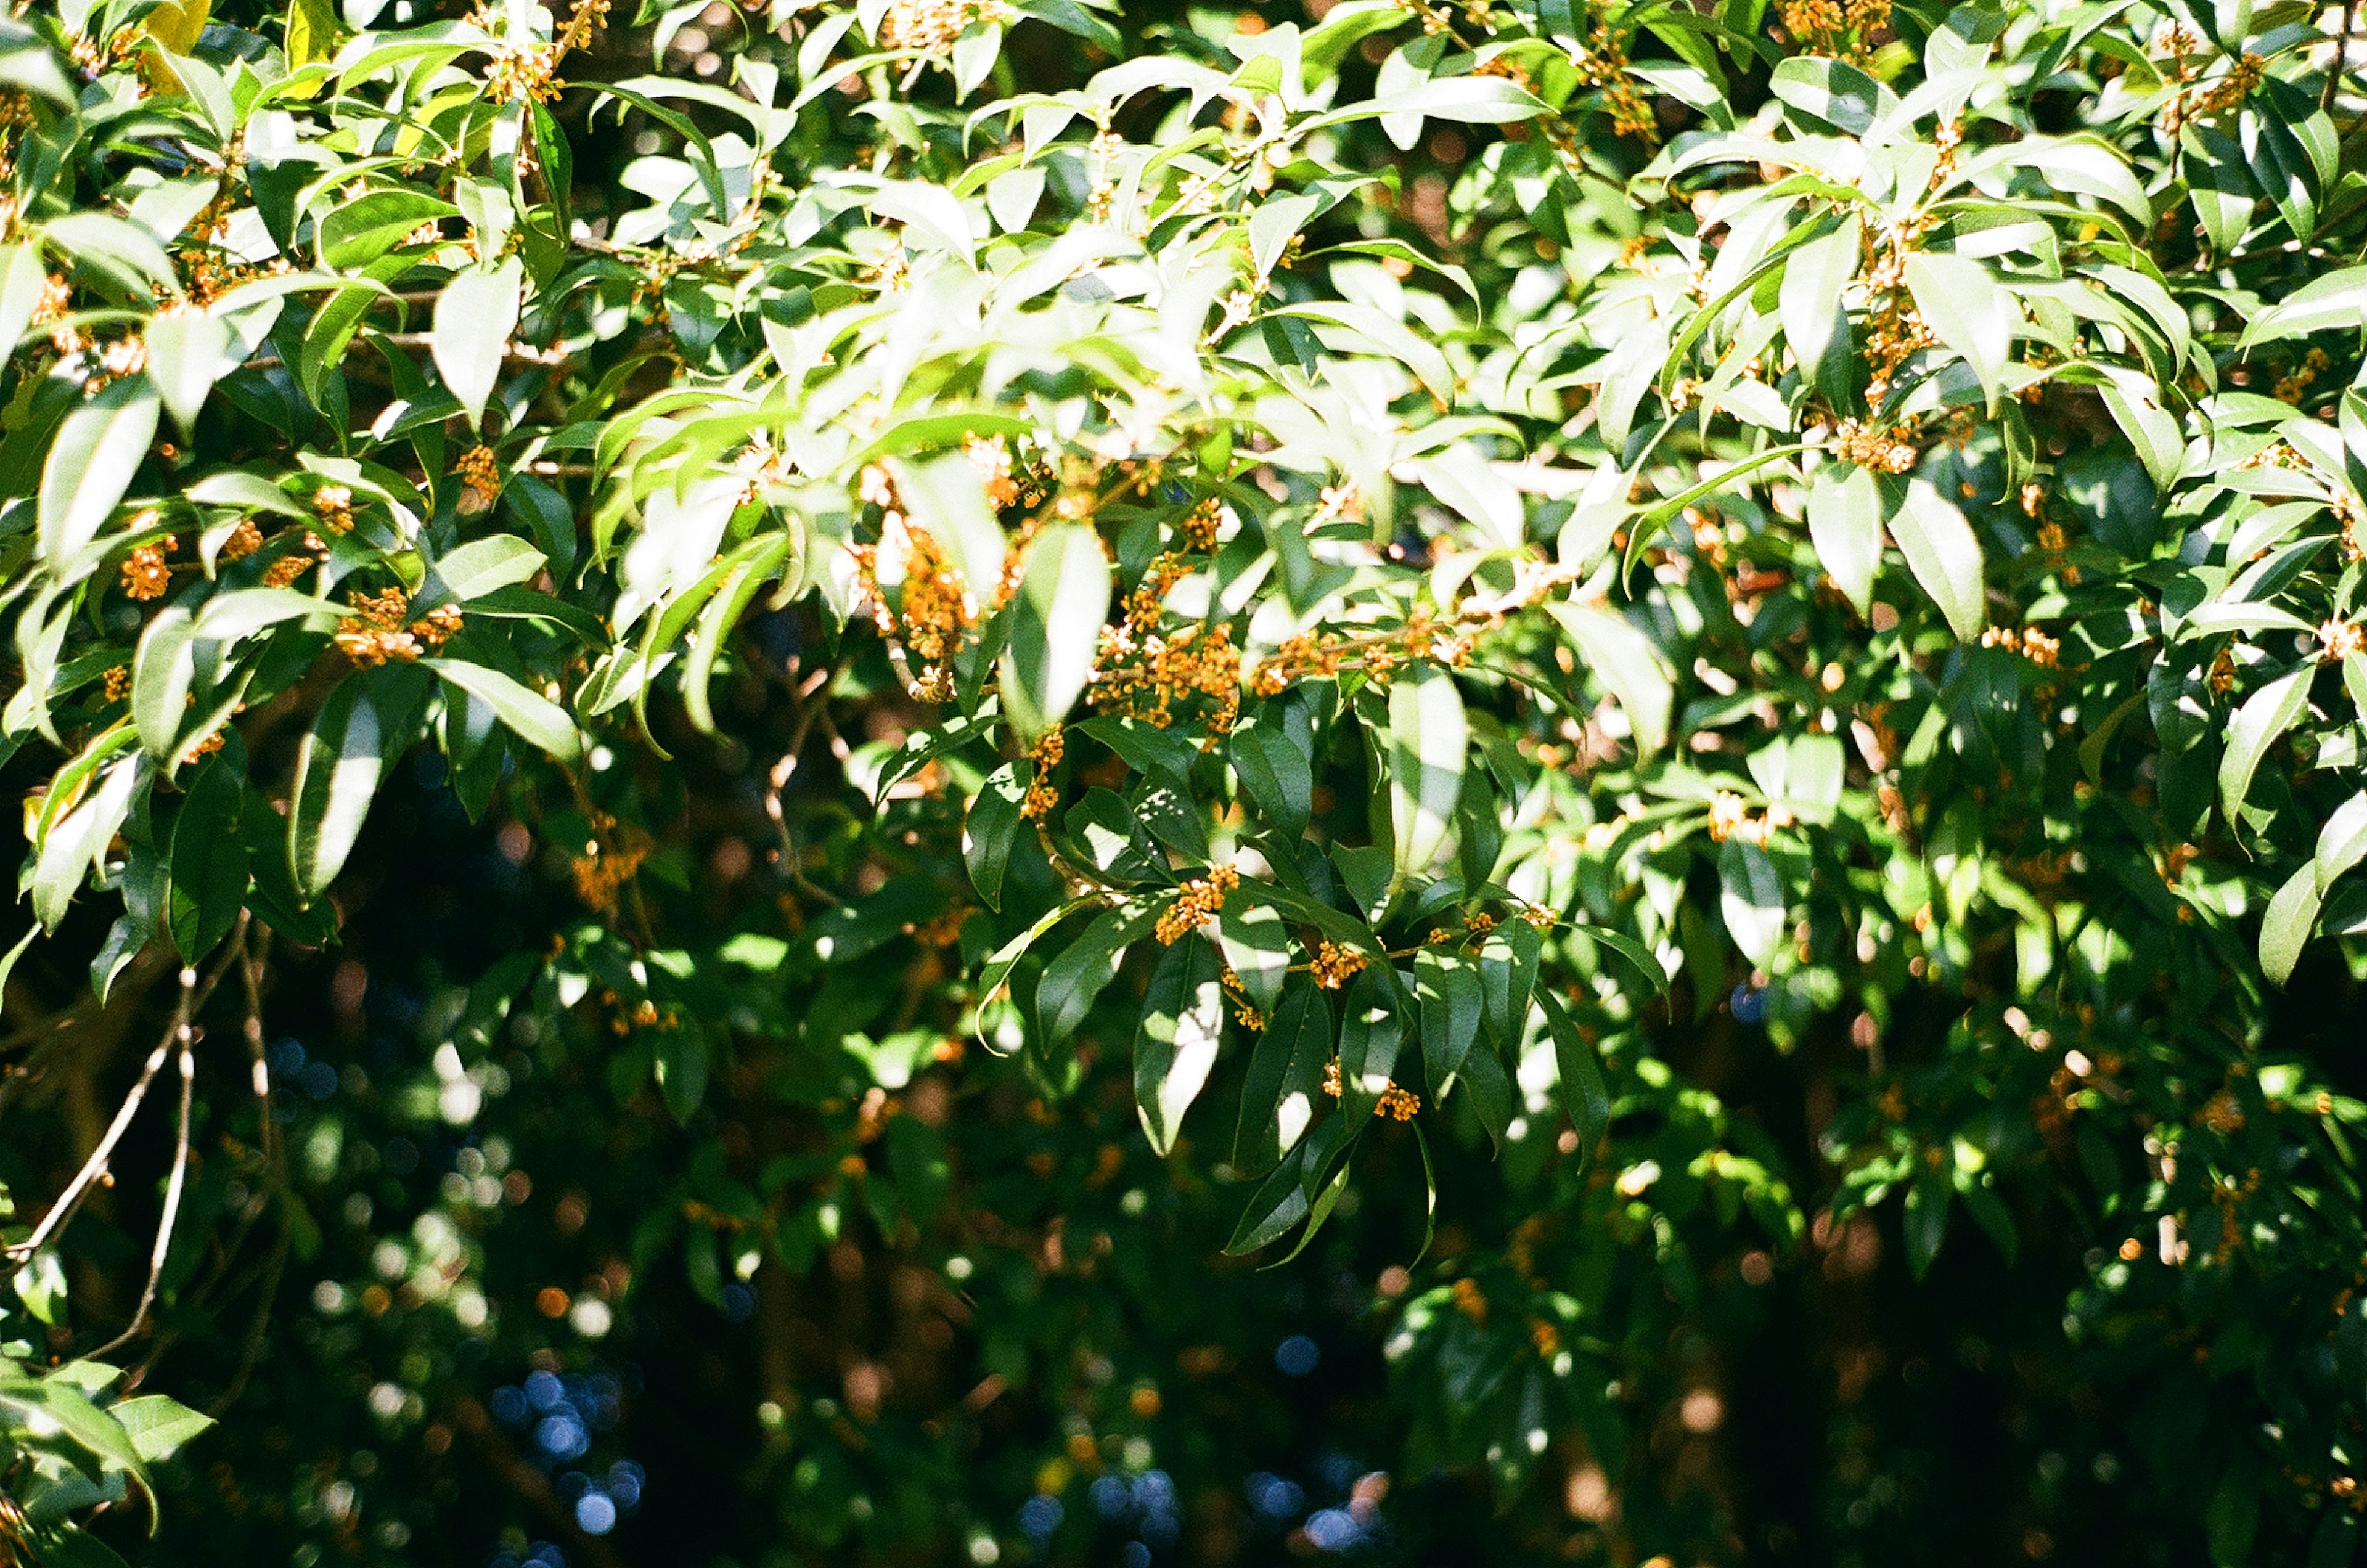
<point>597,1158</point>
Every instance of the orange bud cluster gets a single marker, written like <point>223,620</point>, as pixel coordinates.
<point>1728,819</point>
<point>1869,447</point>
<point>1041,795</point>
<point>933,25</point>
<point>335,506</point>
<point>1396,1104</point>
<point>480,480</point>
<point>1334,964</point>
<point>1143,676</point>
<point>375,634</point>
<point>1199,901</point>
<point>990,456</point>
<point>2028,641</point>
<point>145,575</point>
<point>244,541</point>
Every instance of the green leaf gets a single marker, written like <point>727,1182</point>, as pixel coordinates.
<point>1927,1218</point>
<point>1944,556</point>
<point>1630,668</point>
<point>1429,741</point>
<point>1961,300</point>
<point>1584,1095</point>
<point>476,569</point>
<point>1056,622</point>
<point>338,766</point>
<point>1256,942</point>
<point>1845,525</point>
<point>186,352</point>
<point>159,1425</point>
<point>2219,185</point>
<point>1175,1044</point>
<point>1448,994</point>
<point>2265,714</point>
<point>1468,100</point>
<point>1838,94</point>
<point>474,317</point>
<point>1083,970</point>
<point>23,281</point>
<point>1508,973</point>
<point>1280,1202</point>
<point>162,670</point>
<point>992,825</point>
<point>1113,840</point>
<point>98,450</point>
<point>533,716</point>
<point>1371,1035</point>
<point>209,872</point>
<point>1279,777</point>
<point>1752,899</point>
<point>1283,1092</point>
<point>56,1402</point>
<point>2341,843</point>
<point>311,31</point>
<point>76,841</point>
<point>2286,927</point>
<point>1810,298</point>
<point>2137,408</point>
<point>1389,337</point>
<point>680,1066</point>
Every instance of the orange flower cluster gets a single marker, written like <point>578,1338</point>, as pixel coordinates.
<point>480,480</point>
<point>2201,100</point>
<point>1869,447</point>
<point>990,456</point>
<point>934,605</point>
<point>334,505</point>
<point>1729,818</point>
<point>1396,1104</point>
<point>1041,795</point>
<point>2290,388</point>
<point>1851,29</point>
<point>1602,65</point>
<point>1199,525</point>
<point>2339,638</point>
<point>375,633</point>
<point>1142,676</point>
<point>1334,964</point>
<point>607,862</point>
<point>294,565</point>
<point>145,575</point>
<point>244,541</point>
<point>933,25</point>
<point>1312,656</point>
<point>1238,995</point>
<point>2028,641</point>
<point>1199,901</point>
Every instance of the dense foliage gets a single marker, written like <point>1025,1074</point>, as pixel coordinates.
<point>986,778</point>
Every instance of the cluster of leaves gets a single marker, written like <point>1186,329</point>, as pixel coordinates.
<point>1424,560</point>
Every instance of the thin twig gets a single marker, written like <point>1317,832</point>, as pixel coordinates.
<point>172,1186</point>
<point>193,997</point>
<point>2341,58</point>
<point>251,961</point>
